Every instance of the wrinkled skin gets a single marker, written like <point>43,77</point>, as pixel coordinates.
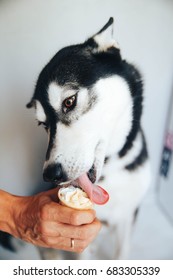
<point>40,220</point>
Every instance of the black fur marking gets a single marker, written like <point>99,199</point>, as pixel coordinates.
<point>30,104</point>
<point>134,80</point>
<point>135,214</point>
<point>5,241</point>
<point>102,178</point>
<point>110,21</point>
<point>141,158</point>
<point>106,160</point>
<point>90,44</point>
<point>40,94</point>
<point>92,174</point>
<point>78,65</point>
<point>52,138</point>
<point>104,223</point>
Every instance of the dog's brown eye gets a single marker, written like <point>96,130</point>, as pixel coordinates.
<point>69,103</point>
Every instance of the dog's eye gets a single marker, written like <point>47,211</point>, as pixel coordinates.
<point>45,125</point>
<point>69,103</point>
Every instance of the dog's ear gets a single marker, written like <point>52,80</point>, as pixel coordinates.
<point>31,104</point>
<point>103,40</point>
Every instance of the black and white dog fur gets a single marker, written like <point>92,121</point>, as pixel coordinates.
<point>89,100</point>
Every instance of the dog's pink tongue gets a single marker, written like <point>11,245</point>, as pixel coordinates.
<point>97,194</point>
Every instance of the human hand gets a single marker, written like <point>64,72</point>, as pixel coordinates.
<point>42,221</point>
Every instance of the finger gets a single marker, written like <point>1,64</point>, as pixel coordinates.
<point>53,193</point>
<point>64,243</point>
<point>83,232</point>
<point>58,213</point>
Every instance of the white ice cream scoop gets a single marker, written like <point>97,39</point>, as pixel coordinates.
<point>74,197</point>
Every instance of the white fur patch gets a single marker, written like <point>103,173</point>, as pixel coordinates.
<point>104,44</point>
<point>54,95</point>
<point>105,40</point>
<point>115,111</point>
<point>57,94</point>
<point>40,114</point>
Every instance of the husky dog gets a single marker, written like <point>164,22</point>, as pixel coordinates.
<point>89,100</point>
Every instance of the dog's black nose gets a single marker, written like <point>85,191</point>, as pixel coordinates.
<point>54,173</point>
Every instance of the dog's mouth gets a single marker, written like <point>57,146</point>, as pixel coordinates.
<point>86,181</point>
<point>92,174</point>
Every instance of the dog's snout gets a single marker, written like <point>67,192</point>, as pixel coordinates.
<point>54,173</point>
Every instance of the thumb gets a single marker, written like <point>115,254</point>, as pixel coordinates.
<point>53,193</point>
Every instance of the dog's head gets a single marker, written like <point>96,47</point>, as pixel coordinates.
<point>80,97</point>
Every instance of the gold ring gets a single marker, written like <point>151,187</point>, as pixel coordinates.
<point>72,243</point>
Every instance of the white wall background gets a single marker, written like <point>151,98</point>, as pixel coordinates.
<point>31,32</point>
